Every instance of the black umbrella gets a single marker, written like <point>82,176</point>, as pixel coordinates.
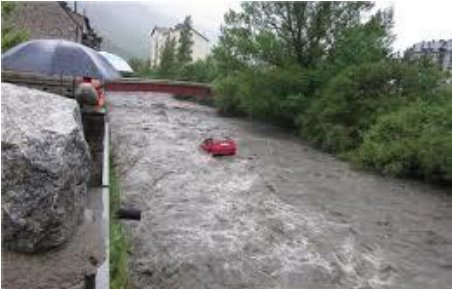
<point>58,57</point>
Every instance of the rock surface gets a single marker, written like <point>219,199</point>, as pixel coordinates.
<point>64,267</point>
<point>45,169</point>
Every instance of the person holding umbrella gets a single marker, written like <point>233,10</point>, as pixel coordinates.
<point>90,95</point>
<point>65,58</point>
<point>58,57</point>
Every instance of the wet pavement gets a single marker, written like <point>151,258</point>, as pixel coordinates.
<point>278,215</point>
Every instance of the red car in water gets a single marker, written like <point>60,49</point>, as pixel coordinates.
<point>216,147</point>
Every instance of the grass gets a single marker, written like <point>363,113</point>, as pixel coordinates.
<point>118,242</point>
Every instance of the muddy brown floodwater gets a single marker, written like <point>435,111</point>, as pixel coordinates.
<point>278,215</point>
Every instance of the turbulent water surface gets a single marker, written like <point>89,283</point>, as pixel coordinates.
<point>278,215</point>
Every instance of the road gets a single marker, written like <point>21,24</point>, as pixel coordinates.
<point>278,215</point>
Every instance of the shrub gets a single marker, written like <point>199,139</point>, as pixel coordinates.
<point>226,93</point>
<point>351,101</point>
<point>198,71</point>
<point>11,36</point>
<point>414,141</point>
<point>272,94</point>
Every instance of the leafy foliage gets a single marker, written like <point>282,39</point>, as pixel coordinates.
<point>281,33</point>
<point>142,68</point>
<point>272,94</point>
<point>138,64</point>
<point>227,95</point>
<point>414,141</point>
<point>168,63</point>
<point>184,49</point>
<point>313,36</point>
<point>11,36</point>
<point>362,43</point>
<point>328,71</point>
<point>350,102</point>
<point>198,71</point>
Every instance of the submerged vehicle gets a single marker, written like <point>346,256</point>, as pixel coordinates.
<point>219,147</point>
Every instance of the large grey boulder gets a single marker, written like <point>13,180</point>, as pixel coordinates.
<point>45,169</point>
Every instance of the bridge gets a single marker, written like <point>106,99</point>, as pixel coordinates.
<point>65,85</point>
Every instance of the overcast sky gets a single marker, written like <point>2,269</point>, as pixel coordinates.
<point>414,20</point>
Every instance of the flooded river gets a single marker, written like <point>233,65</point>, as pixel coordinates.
<point>278,215</point>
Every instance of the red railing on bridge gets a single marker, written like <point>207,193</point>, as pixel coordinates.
<point>183,88</point>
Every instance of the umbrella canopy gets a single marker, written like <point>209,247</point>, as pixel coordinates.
<point>58,57</point>
<point>116,61</point>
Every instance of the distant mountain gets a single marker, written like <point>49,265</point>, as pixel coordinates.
<point>124,26</point>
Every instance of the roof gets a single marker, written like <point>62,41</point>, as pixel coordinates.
<point>76,18</point>
<point>160,29</point>
<point>433,46</point>
<point>177,27</point>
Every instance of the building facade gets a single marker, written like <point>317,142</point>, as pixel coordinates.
<point>159,35</point>
<point>54,20</point>
<point>439,51</point>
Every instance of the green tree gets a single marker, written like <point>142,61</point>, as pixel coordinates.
<point>278,33</point>
<point>319,38</point>
<point>365,42</point>
<point>141,68</point>
<point>11,36</point>
<point>138,64</point>
<point>413,141</point>
<point>351,101</point>
<point>167,66</point>
<point>327,68</point>
<point>184,49</point>
<point>198,71</point>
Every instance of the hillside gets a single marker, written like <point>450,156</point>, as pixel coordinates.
<point>125,27</point>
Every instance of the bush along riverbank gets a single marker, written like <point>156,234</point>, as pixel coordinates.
<point>390,117</point>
